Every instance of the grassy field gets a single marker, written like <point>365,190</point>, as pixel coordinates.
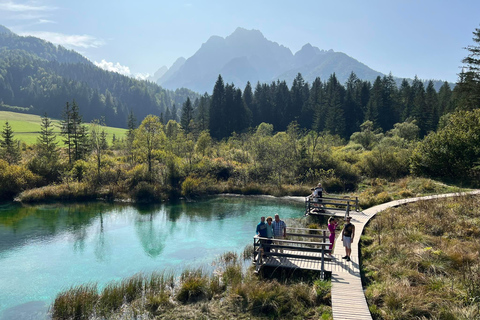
<point>26,127</point>
<point>421,261</point>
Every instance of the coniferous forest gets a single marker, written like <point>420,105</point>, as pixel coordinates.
<point>273,138</point>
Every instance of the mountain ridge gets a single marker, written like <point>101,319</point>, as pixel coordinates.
<point>247,55</point>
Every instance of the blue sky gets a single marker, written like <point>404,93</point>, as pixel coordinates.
<point>423,37</point>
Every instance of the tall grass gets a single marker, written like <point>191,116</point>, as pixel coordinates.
<point>421,261</point>
<point>229,292</point>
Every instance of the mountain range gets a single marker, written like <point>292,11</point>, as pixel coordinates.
<point>246,55</point>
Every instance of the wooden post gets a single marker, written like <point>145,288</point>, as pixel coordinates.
<point>322,270</point>
<point>356,204</point>
<point>347,212</point>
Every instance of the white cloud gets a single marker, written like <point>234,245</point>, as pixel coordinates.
<point>42,21</point>
<point>109,66</point>
<point>67,40</point>
<point>23,7</point>
<point>117,67</point>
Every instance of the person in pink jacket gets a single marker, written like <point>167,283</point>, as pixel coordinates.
<point>332,226</point>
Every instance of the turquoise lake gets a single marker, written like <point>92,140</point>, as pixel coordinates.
<point>45,249</point>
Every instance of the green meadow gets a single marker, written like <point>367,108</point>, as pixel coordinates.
<point>26,127</point>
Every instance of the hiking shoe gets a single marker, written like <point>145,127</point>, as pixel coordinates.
<point>348,259</point>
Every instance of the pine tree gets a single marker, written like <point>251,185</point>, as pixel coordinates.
<point>314,113</point>
<point>46,141</point>
<point>405,100</point>
<point>299,96</point>
<point>468,86</point>
<point>375,102</point>
<point>445,104</point>
<point>9,148</point>
<point>75,133</point>
<point>202,116</point>
<point>249,100</point>
<point>217,109</point>
<point>352,107</point>
<point>187,115</point>
<point>431,108</point>
<point>334,114</point>
<point>174,113</point>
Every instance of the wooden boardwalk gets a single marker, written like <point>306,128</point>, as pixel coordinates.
<point>348,298</point>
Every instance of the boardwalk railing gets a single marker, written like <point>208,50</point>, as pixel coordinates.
<point>312,245</point>
<point>315,206</point>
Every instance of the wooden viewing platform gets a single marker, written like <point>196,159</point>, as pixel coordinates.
<point>309,250</point>
<point>330,205</point>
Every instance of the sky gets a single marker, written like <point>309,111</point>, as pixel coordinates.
<point>424,38</point>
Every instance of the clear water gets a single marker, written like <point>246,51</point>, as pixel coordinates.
<point>49,248</point>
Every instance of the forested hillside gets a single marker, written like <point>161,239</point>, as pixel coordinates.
<point>38,77</point>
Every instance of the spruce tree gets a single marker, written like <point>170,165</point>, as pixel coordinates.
<point>468,86</point>
<point>187,115</point>
<point>46,141</point>
<point>217,109</point>
<point>202,112</point>
<point>75,133</point>
<point>10,150</point>
<point>174,113</point>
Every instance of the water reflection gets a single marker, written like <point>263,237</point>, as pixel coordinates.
<point>151,232</point>
<point>45,249</point>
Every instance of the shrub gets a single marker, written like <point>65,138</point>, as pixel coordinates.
<point>144,192</point>
<point>191,187</point>
<point>14,179</point>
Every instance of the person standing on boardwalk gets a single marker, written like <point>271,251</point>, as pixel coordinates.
<point>262,228</point>
<point>279,229</point>
<point>332,226</point>
<point>262,231</point>
<point>269,233</point>
<point>348,233</point>
<point>317,197</point>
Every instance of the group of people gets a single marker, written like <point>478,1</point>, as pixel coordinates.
<point>348,233</point>
<point>277,229</point>
<point>271,230</point>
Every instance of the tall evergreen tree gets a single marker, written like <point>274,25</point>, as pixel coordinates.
<point>202,116</point>
<point>445,104</point>
<point>282,105</point>
<point>375,102</point>
<point>174,113</point>
<point>75,133</point>
<point>46,141</point>
<point>468,87</point>
<point>10,150</point>
<point>334,114</point>
<point>431,108</point>
<point>387,110</point>
<point>249,101</point>
<point>187,115</point>
<point>299,96</point>
<point>217,109</point>
<point>405,100</point>
<point>352,106</point>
